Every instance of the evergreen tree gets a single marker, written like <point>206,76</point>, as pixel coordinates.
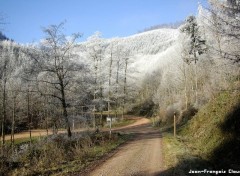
<point>197,45</point>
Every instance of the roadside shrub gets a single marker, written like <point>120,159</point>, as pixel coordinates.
<point>48,155</point>
<point>51,155</point>
<point>187,114</point>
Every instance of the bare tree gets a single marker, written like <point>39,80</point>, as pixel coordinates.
<point>226,14</point>
<point>57,66</point>
<point>126,60</point>
<point>109,85</point>
<point>96,51</point>
<point>15,90</point>
<point>8,55</point>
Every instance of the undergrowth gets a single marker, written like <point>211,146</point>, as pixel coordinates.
<point>58,154</point>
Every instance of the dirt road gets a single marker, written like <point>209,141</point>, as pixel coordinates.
<point>140,156</point>
<point>41,132</point>
<point>36,133</point>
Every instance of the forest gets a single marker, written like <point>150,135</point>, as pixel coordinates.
<point>59,83</point>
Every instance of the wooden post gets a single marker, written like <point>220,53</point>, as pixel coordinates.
<point>110,126</point>
<point>73,125</point>
<point>154,121</point>
<point>94,120</point>
<point>174,124</point>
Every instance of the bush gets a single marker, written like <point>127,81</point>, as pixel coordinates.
<point>187,114</point>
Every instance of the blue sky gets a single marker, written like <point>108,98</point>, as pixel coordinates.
<point>25,18</point>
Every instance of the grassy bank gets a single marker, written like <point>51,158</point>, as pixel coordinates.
<point>179,159</point>
<point>210,140</point>
<point>214,132</point>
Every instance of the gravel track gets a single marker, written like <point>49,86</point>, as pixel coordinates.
<point>140,156</point>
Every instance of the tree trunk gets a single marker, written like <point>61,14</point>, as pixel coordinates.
<point>117,84</point>
<point>101,117</point>
<point>29,116</point>
<point>196,85</point>
<point>64,109</point>
<point>94,117</point>
<point>185,86</point>
<point>4,113</point>
<point>124,87</point>
<point>65,116</point>
<point>13,121</point>
<point>95,88</point>
<point>196,78</point>
<point>109,85</point>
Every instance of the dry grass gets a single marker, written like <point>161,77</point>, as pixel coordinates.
<point>57,154</point>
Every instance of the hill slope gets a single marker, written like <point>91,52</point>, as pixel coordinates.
<point>148,43</point>
<point>214,132</point>
<point>148,50</point>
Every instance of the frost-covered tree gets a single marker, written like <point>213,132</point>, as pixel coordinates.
<point>96,52</point>
<point>196,43</point>
<point>126,58</point>
<point>57,66</point>
<point>9,53</point>
<point>195,46</point>
<point>226,14</point>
